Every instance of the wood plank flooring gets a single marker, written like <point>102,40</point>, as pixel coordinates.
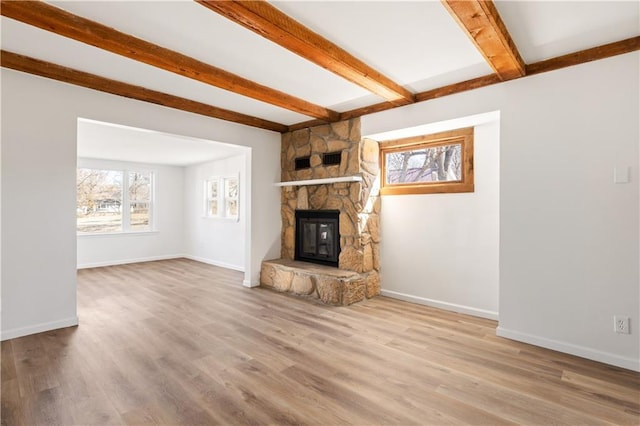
<point>181,342</point>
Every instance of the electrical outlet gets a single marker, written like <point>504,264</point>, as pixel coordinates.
<point>621,324</point>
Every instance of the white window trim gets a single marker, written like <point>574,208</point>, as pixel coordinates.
<point>126,207</point>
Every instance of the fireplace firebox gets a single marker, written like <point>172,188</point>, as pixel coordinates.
<point>318,236</point>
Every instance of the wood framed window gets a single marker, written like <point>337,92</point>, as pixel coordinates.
<point>427,164</point>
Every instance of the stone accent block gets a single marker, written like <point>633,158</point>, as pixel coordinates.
<point>351,259</point>
<point>353,291</point>
<point>341,128</point>
<point>367,258</point>
<point>302,284</point>
<point>370,151</point>
<point>328,289</point>
<point>267,271</point>
<point>282,279</point>
<point>303,199</point>
<point>372,284</point>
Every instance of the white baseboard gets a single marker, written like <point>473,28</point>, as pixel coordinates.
<point>38,328</point>
<point>250,284</point>
<point>214,262</point>
<point>441,305</point>
<point>127,261</point>
<point>581,351</point>
<point>164,257</point>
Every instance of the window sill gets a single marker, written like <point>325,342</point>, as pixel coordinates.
<point>117,234</point>
<point>222,219</point>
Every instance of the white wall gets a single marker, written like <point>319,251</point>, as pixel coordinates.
<point>569,236</point>
<point>167,239</point>
<point>213,240</point>
<point>39,128</point>
<point>442,249</point>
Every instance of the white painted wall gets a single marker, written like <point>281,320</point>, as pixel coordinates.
<point>442,249</point>
<point>569,236</point>
<point>167,239</point>
<point>39,127</point>
<point>216,241</point>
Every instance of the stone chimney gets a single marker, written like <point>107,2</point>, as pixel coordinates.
<point>357,201</point>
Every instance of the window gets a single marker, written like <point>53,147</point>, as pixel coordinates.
<point>140,190</point>
<point>231,197</point>
<point>221,197</point>
<point>212,197</point>
<point>111,201</point>
<point>436,163</point>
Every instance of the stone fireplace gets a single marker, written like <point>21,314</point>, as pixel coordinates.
<point>329,168</point>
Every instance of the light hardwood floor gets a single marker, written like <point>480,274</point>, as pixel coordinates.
<point>180,342</point>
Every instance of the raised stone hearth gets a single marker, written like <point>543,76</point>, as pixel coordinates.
<point>357,275</point>
<point>331,285</point>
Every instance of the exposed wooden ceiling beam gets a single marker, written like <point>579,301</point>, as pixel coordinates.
<point>92,81</point>
<point>575,58</point>
<point>266,20</point>
<point>482,23</point>
<point>463,86</point>
<point>50,18</point>
<point>587,55</point>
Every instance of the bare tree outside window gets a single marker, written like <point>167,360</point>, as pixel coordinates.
<point>212,197</point>
<point>99,201</point>
<point>102,206</point>
<point>231,197</point>
<point>140,200</point>
<point>221,197</point>
<point>437,163</point>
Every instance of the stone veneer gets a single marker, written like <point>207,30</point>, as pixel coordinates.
<point>359,206</point>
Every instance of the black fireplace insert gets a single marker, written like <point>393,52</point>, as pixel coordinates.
<point>318,236</point>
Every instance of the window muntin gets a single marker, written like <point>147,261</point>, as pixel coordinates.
<point>103,206</point>
<point>436,163</point>
<point>222,197</point>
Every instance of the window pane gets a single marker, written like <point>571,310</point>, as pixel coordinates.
<point>231,197</point>
<point>212,189</point>
<point>232,208</point>
<point>139,216</point>
<point>139,201</point>
<point>99,200</point>
<point>436,164</point>
<point>231,187</point>
<point>212,208</point>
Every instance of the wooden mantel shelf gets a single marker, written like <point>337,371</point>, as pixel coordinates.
<point>320,181</point>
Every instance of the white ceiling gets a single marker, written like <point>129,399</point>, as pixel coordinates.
<point>122,143</point>
<point>415,43</point>
<point>545,29</point>
<point>410,42</point>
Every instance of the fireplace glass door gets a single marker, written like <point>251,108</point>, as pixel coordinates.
<point>317,236</point>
